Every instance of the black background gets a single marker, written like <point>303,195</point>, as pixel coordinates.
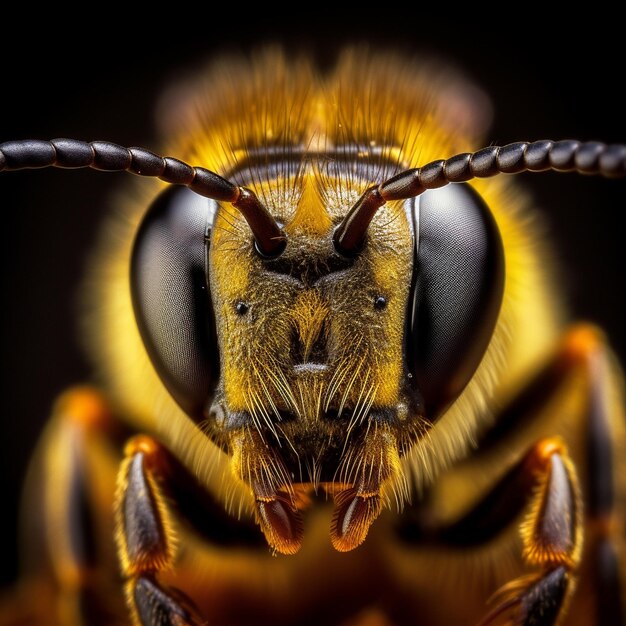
<point>100,81</point>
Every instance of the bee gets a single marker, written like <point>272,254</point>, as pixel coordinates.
<point>337,381</point>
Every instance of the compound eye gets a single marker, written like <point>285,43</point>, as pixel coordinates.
<point>456,294</point>
<point>171,299</point>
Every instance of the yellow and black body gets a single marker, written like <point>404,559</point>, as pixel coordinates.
<point>315,417</point>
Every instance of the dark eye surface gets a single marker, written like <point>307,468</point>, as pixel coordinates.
<point>457,291</point>
<point>171,295</point>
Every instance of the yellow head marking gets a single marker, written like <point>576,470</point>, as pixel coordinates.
<point>308,314</point>
<point>311,216</point>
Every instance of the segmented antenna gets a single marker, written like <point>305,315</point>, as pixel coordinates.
<point>110,157</point>
<point>589,157</point>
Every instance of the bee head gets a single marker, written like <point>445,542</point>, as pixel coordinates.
<point>314,364</point>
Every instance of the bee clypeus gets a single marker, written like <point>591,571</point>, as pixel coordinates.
<point>338,387</point>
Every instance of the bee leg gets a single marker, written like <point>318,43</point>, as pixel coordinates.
<point>584,350</point>
<point>65,488</point>
<point>146,539</point>
<point>552,537</point>
<point>605,524</point>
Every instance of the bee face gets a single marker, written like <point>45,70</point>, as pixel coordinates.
<point>311,342</point>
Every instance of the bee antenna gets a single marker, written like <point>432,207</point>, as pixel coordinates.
<point>269,238</point>
<point>590,157</point>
